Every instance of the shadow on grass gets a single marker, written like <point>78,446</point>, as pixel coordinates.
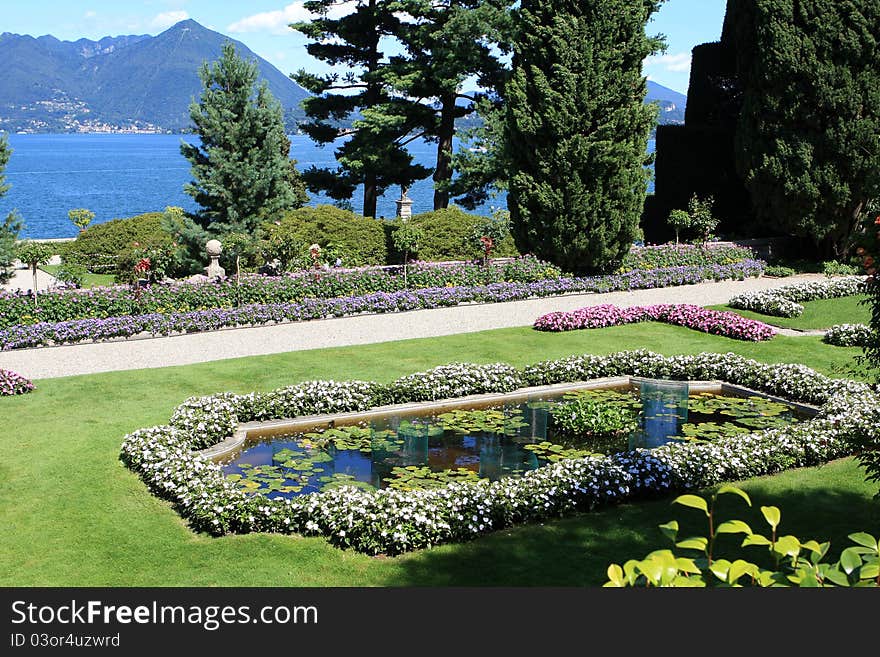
<point>577,551</point>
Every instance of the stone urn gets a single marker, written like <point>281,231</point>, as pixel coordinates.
<point>213,249</point>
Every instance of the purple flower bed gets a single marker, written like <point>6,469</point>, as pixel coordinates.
<point>69,332</point>
<point>716,322</point>
<point>13,384</point>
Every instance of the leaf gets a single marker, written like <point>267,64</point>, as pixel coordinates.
<point>772,515</point>
<point>788,546</point>
<point>850,560</point>
<point>836,577</point>
<point>670,530</point>
<point>692,501</point>
<point>865,540</point>
<point>616,577</point>
<point>739,568</point>
<point>755,539</point>
<point>720,568</point>
<point>871,571</point>
<point>694,543</point>
<point>727,488</point>
<point>686,565</point>
<point>733,527</point>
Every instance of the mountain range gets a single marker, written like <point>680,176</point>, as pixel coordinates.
<point>143,83</point>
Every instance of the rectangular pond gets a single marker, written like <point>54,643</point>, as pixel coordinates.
<point>413,448</point>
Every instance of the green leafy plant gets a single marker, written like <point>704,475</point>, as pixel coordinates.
<point>490,231</point>
<point>406,238</point>
<point>702,221</point>
<point>679,220</point>
<point>587,417</point>
<point>34,254</point>
<point>80,217</point>
<point>795,562</point>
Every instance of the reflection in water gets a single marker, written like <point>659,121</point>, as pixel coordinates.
<point>490,442</point>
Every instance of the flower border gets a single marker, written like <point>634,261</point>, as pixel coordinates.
<point>783,301</point>
<point>391,522</point>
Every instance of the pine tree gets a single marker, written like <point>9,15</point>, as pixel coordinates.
<point>241,169</point>
<point>447,43</point>
<point>577,129</point>
<point>376,123</point>
<point>807,141</point>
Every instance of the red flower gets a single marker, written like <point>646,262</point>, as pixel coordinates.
<point>143,266</point>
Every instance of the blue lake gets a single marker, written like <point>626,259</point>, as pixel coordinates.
<point>122,175</point>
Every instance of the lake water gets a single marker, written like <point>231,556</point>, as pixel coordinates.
<point>123,175</point>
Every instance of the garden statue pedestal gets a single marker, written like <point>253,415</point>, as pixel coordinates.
<point>404,205</point>
<point>214,271</point>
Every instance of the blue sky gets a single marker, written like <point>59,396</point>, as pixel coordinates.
<point>262,26</point>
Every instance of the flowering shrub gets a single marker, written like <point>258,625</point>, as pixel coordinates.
<point>455,380</point>
<point>390,521</point>
<point>12,383</point>
<point>168,323</point>
<point>784,301</point>
<point>521,277</point>
<point>727,324</point>
<point>848,335</point>
<point>683,255</point>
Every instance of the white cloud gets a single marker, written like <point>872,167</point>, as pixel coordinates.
<point>168,18</point>
<point>278,21</point>
<point>677,63</point>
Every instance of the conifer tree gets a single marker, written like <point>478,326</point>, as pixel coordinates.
<point>577,129</point>
<point>11,225</point>
<point>808,140</point>
<point>241,169</point>
<point>358,105</point>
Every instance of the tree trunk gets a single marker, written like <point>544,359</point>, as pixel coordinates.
<point>443,171</point>
<point>370,195</point>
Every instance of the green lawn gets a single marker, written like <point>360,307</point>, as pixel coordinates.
<point>821,314</point>
<point>89,280</point>
<point>74,516</point>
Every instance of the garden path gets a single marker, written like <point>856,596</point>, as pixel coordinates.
<point>149,352</point>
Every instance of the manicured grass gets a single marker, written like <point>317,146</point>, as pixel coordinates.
<point>89,280</point>
<point>74,515</point>
<point>821,314</point>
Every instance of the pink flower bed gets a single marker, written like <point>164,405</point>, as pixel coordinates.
<point>698,318</point>
<point>13,384</point>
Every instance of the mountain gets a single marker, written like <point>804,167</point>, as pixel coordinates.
<point>672,104</point>
<point>137,83</point>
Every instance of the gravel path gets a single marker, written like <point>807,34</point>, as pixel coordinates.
<point>87,358</point>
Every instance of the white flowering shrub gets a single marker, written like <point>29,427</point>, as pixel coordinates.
<point>786,301</point>
<point>207,419</point>
<point>390,521</point>
<point>848,335</point>
<point>455,380</point>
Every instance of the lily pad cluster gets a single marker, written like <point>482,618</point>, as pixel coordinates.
<point>414,477</point>
<point>741,415</point>
<point>488,420</point>
<point>551,452</point>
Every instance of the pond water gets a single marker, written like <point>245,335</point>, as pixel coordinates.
<point>417,451</point>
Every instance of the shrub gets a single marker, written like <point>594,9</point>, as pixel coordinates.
<point>449,235</point>
<point>357,240</point>
<point>99,247</point>
<point>848,335</point>
<point>780,271</point>
<point>71,273</point>
<point>12,383</point>
<point>683,255</point>
<point>795,562</point>
<point>835,268</point>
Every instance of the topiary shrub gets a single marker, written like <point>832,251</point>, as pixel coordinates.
<point>340,233</point>
<point>99,247</point>
<point>449,235</point>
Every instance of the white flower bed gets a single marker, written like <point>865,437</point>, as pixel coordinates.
<point>390,522</point>
<point>786,301</point>
<point>848,335</point>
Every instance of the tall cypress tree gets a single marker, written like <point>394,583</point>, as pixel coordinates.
<point>241,169</point>
<point>359,105</point>
<point>577,129</point>
<point>808,140</point>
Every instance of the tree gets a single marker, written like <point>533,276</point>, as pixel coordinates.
<point>11,226</point>
<point>241,169</point>
<point>406,237</point>
<point>447,43</point>
<point>679,220</point>
<point>34,254</point>
<point>577,129</point>
<point>80,218</point>
<point>359,105</point>
<point>807,140</point>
